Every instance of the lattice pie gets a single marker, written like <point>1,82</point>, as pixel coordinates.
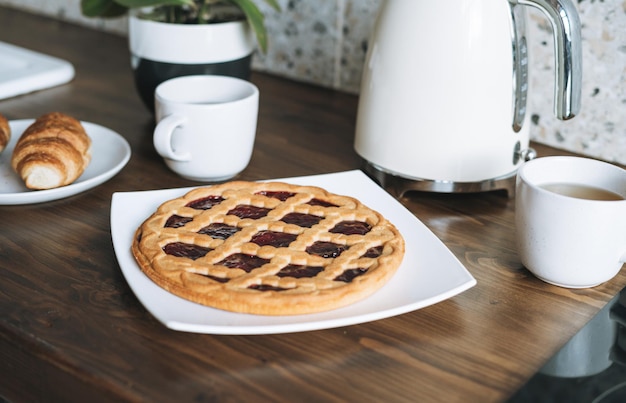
<point>268,248</point>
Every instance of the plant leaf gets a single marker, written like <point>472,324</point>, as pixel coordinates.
<point>101,8</point>
<point>153,3</point>
<point>117,8</point>
<point>274,4</point>
<point>255,19</point>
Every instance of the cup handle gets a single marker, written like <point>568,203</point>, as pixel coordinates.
<point>163,137</point>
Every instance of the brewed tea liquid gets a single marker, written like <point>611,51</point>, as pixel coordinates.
<point>582,191</point>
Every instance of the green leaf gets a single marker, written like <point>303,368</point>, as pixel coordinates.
<point>117,8</point>
<point>274,4</point>
<point>102,8</point>
<point>255,19</point>
<point>154,3</point>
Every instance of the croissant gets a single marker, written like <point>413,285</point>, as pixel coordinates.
<point>53,151</point>
<point>5,132</point>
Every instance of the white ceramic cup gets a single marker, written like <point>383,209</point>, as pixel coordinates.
<point>206,125</point>
<point>569,241</point>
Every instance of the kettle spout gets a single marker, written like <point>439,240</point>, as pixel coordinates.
<point>565,22</point>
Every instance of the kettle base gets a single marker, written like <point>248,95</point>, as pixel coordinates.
<point>398,185</point>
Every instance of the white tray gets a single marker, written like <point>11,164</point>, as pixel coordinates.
<point>23,71</point>
<point>429,273</point>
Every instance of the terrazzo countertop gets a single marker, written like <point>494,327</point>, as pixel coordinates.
<point>324,42</point>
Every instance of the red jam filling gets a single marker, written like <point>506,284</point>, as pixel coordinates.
<point>374,252</point>
<point>215,278</point>
<point>350,274</point>
<point>219,230</point>
<point>323,203</point>
<point>176,221</point>
<point>299,271</point>
<point>205,203</point>
<point>273,238</point>
<point>302,220</point>
<point>326,249</point>
<point>247,211</point>
<point>186,250</point>
<point>282,196</point>
<point>264,287</point>
<point>351,228</point>
<point>244,262</point>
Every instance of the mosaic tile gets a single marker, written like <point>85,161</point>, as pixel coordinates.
<point>359,17</point>
<point>303,41</point>
<point>600,128</point>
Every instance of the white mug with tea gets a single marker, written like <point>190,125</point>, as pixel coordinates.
<point>206,125</point>
<point>570,217</point>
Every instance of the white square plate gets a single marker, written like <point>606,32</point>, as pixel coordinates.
<point>429,273</point>
<point>23,71</point>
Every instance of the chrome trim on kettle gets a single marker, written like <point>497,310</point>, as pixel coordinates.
<point>565,22</point>
<point>523,155</point>
<point>520,65</point>
<point>398,185</point>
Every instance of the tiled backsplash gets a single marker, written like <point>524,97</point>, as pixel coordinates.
<point>324,42</point>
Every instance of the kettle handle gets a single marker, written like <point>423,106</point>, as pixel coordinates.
<point>565,23</point>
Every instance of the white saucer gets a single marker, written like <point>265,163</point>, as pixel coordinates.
<point>429,273</point>
<point>109,154</point>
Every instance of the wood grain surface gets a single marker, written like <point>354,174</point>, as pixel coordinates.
<point>72,330</point>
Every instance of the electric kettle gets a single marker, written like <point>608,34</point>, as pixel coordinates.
<point>442,104</point>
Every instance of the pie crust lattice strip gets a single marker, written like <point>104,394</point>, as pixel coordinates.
<point>268,248</point>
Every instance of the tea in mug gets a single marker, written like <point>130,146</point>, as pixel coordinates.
<point>582,191</point>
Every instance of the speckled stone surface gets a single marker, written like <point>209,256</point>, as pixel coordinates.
<point>324,42</point>
<point>600,128</point>
<point>304,39</point>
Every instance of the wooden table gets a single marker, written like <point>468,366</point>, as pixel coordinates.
<point>72,330</point>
